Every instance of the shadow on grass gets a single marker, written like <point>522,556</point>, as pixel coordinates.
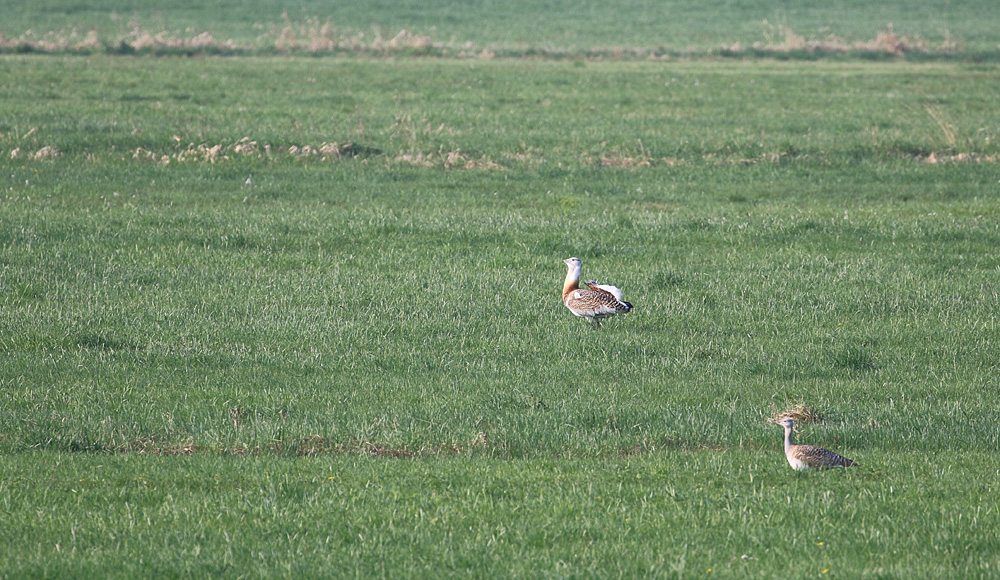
<point>854,359</point>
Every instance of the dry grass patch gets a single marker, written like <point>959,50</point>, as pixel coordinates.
<point>306,446</point>
<point>44,153</point>
<point>320,37</point>
<point>316,36</point>
<point>449,159</point>
<point>67,40</point>
<point>453,159</point>
<point>625,162</point>
<point>935,158</point>
<point>642,162</point>
<point>247,147</point>
<point>310,36</point>
<point>142,40</point>
<point>318,445</point>
<point>151,446</point>
<point>137,39</point>
<point>799,412</point>
<point>780,39</point>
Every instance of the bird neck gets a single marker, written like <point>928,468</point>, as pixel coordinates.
<point>572,280</point>
<point>788,439</point>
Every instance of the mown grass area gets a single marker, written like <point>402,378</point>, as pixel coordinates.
<point>225,281</point>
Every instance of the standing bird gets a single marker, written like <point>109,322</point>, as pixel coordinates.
<point>594,302</point>
<point>802,457</point>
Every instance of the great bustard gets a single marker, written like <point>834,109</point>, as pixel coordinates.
<point>802,457</point>
<point>594,302</point>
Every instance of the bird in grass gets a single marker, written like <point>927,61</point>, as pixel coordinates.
<point>594,301</point>
<point>802,457</point>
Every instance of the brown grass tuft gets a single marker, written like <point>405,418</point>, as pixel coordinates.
<point>480,440</point>
<point>624,162</point>
<point>217,153</point>
<point>315,36</point>
<point>151,446</point>
<point>238,415</point>
<point>935,158</point>
<point>311,36</point>
<point>46,152</point>
<point>318,37</point>
<point>312,445</point>
<point>453,159</point>
<point>780,39</point>
<point>798,412</point>
<point>405,39</point>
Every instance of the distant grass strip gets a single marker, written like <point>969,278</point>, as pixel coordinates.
<point>454,159</point>
<point>315,37</point>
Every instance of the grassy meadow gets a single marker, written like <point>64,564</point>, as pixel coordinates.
<point>284,315</point>
<point>964,29</point>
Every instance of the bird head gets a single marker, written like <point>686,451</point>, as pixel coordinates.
<point>786,422</point>
<point>573,262</point>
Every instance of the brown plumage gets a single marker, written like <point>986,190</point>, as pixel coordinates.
<point>595,301</point>
<point>802,457</point>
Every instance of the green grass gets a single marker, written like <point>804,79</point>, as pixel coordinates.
<point>723,513</point>
<point>189,357</point>
<point>555,27</point>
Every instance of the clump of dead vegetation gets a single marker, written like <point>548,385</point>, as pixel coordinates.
<point>452,159</point>
<point>311,36</point>
<point>149,445</point>
<point>46,152</point>
<point>247,147</point>
<point>136,39</point>
<point>66,40</point>
<point>315,36</point>
<point>782,40</point>
<point>798,412</point>
<point>626,162</point>
<point>643,161</point>
<point>318,445</point>
<point>448,158</point>
<point>935,158</point>
<point>318,37</point>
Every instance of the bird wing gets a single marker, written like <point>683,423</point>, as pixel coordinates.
<point>587,302</point>
<point>819,457</point>
<point>613,290</point>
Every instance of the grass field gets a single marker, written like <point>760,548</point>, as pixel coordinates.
<point>964,29</point>
<point>295,316</point>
